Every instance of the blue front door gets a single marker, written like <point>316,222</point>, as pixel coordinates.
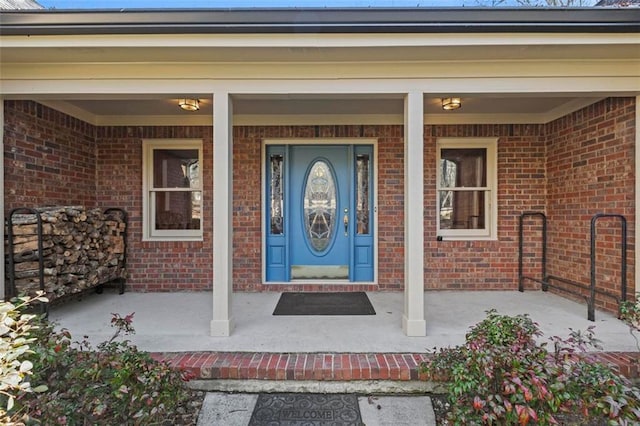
<point>319,213</point>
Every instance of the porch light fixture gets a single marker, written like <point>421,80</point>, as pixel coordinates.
<point>189,104</point>
<point>449,104</point>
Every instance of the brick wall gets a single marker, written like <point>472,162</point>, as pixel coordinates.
<point>154,265</point>
<point>487,265</point>
<point>391,208</point>
<point>448,264</point>
<point>591,170</point>
<point>49,157</point>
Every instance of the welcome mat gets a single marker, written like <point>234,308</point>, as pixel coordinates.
<point>339,303</point>
<point>308,409</point>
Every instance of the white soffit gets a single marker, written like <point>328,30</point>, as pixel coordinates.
<point>320,110</point>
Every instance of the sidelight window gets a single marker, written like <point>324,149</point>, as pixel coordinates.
<point>276,194</point>
<point>362,194</point>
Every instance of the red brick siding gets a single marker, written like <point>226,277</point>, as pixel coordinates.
<point>591,169</point>
<point>583,154</point>
<point>487,265</point>
<point>391,208</point>
<point>49,157</point>
<point>154,265</point>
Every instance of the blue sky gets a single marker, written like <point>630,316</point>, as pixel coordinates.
<point>155,4</point>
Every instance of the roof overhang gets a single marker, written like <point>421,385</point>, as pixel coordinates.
<point>315,66</point>
<point>320,20</point>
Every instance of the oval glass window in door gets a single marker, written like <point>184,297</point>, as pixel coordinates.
<point>319,206</point>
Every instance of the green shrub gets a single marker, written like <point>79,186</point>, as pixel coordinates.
<point>502,375</point>
<point>114,383</point>
<point>630,313</point>
<point>15,347</point>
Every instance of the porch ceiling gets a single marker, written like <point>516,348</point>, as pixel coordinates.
<point>318,109</point>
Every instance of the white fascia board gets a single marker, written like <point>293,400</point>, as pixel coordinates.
<point>318,40</point>
<point>264,73</point>
<point>583,85</point>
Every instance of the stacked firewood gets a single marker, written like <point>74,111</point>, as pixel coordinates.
<point>80,249</point>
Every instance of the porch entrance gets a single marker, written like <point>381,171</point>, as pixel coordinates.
<point>319,212</point>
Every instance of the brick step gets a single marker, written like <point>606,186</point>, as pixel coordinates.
<point>332,366</point>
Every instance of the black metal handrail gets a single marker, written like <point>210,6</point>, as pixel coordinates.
<point>623,260</point>
<point>546,280</point>
<point>521,276</point>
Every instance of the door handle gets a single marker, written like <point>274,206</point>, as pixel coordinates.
<point>345,221</point>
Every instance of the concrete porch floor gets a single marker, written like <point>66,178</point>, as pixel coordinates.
<point>179,322</point>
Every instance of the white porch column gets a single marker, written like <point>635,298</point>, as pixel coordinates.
<point>413,322</point>
<point>222,324</point>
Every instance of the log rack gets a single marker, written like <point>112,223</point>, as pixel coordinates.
<point>12,291</point>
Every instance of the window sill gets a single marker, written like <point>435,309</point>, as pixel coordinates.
<point>466,238</point>
<point>172,239</point>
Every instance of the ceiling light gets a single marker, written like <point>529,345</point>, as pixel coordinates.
<point>189,104</point>
<point>449,104</point>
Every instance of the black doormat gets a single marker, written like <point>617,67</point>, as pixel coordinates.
<point>339,303</point>
<point>308,409</point>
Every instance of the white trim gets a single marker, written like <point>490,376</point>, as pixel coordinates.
<point>148,213</point>
<point>491,201</point>
<point>315,119</point>
<point>594,84</point>
<point>375,213</point>
<point>263,196</point>
<point>263,208</point>
<point>25,78</point>
<point>320,141</point>
<point>318,40</point>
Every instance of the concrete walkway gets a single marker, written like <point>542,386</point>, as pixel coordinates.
<point>236,409</point>
<point>179,322</point>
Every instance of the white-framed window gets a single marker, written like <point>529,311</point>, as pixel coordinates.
<point>172,189</point>
<point>467,188</point>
